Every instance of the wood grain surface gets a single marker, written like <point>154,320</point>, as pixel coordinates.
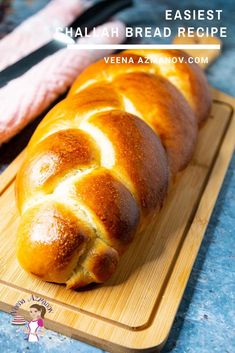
<point>136,308</point>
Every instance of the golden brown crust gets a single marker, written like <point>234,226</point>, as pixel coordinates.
<point>102,71</point>
<point>98,165</point>
<point>139,156</point>
<point>187,77</point>
<point>97,265</point>
<point>171,118</point>
<point>50,241</point>
<point>63,115</point>
<point>59,154</point>
<point>113,205</point>
<point>102,261</point>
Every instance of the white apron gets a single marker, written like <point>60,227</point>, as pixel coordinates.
<point>33,326</point>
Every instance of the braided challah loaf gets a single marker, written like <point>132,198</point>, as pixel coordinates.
<point>99,164</point>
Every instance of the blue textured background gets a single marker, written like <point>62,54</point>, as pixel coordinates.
<point>205,320</point>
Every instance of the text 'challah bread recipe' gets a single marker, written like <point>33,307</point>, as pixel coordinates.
<point>99,164</point>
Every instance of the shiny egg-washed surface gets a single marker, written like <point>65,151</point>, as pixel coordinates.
<point>99,164</point>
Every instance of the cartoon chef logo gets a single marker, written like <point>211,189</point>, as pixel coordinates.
<point>36,325</point>
<point>33,327</point>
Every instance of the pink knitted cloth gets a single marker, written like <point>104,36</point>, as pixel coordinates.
<point>38,29</point>
<point>24,98</point>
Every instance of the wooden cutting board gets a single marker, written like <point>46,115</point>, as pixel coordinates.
<point>135,309</point>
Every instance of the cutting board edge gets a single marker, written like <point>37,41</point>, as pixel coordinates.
<point>116,347</point>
